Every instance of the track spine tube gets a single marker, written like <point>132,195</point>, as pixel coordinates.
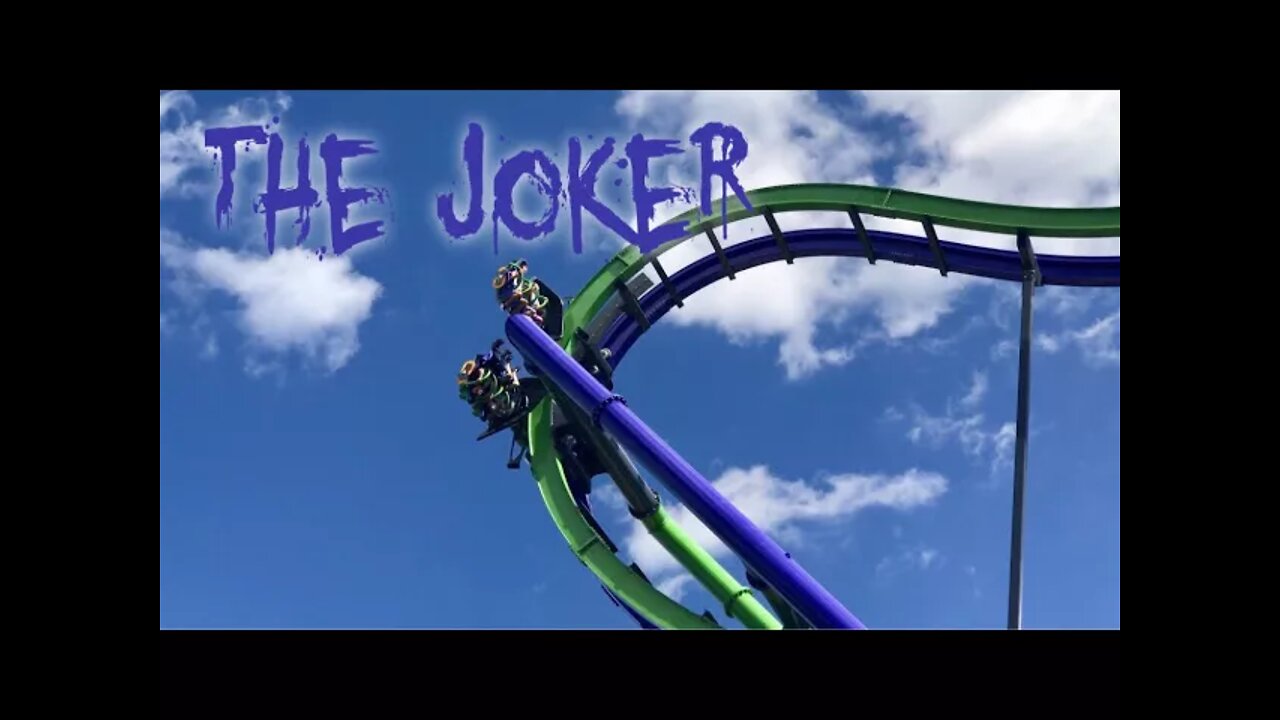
<point>755,548</point>
<point>643,504</point>
<point>641,500</point>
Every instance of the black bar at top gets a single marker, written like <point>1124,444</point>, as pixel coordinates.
<point>933,244</point>
<point>862,234</point>
<point>631,305</point>
<point>666,283</point>
<point>778,236</point>
<point>1028,254</point>
<point>724,259</point>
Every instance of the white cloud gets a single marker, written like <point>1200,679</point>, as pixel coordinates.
<point>935,430</point>
<point>288,301</point>
<point>1047,148</point>
<point>968,430</point>
<point>918,558</point>
<point>972,572</point>
<point>182,148</point>
<point>674,587</point>
<point>1002,446</point>
<point>1003,349</point>
<point>791,302</point>
<point>946,344</point>
<point>607,494</point>
<point>258,367</point>
<point>209,350</point>
<point>1066,301</point>
<point>1099,343</point>
<point>780,507</point>
<point>175,101</point>
<point>1000,147</point>
<point>1005,309</point>
<point>202,330</point>
<point>977,391</point>
<point>793,137</point>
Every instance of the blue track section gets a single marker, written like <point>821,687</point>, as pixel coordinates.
<point>1069,270</point>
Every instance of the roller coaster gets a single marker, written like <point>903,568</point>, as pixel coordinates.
<point>573,427</point>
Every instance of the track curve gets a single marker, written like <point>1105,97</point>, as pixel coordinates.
<point>1064,270</point>
<point>906,205</point>
<point>619,579</point>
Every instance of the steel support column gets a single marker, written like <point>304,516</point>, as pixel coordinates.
<point>1030,278</point>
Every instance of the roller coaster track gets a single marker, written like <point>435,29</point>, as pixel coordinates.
<point>616,307</point>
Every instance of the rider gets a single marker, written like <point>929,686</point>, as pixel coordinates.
<point>517,293</point>
<point>490,384</point>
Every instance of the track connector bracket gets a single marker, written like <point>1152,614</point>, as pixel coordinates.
<point>933,245</point>
<point>724,259</point>
<point>592,358</point>
<point>1028,254</point>
<point>631,305</point>
<point>595,414</point>
<point>856,218</point>
<point>642,516</point>
<point>778,237</point>
<point>666,283</point>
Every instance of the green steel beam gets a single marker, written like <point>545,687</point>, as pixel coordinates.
<point>894,203</point>
<point>737,599</point>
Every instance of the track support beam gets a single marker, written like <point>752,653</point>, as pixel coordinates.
<point>1028,255</point>
<point>932,234</point>
<point>666,283</point>
<point>862,234</point>
<point>724,259</point>
<point>1030,278</point>
<point>631,305</point>
<point>779,237</point>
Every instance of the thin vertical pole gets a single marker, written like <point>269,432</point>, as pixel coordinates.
<point>1030,276</point>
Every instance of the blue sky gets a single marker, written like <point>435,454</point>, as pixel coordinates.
<point>317,470</point>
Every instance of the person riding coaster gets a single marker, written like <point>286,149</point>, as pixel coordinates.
<point>488,383</point>
<point>492,387</point>
<point>519,294</point>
